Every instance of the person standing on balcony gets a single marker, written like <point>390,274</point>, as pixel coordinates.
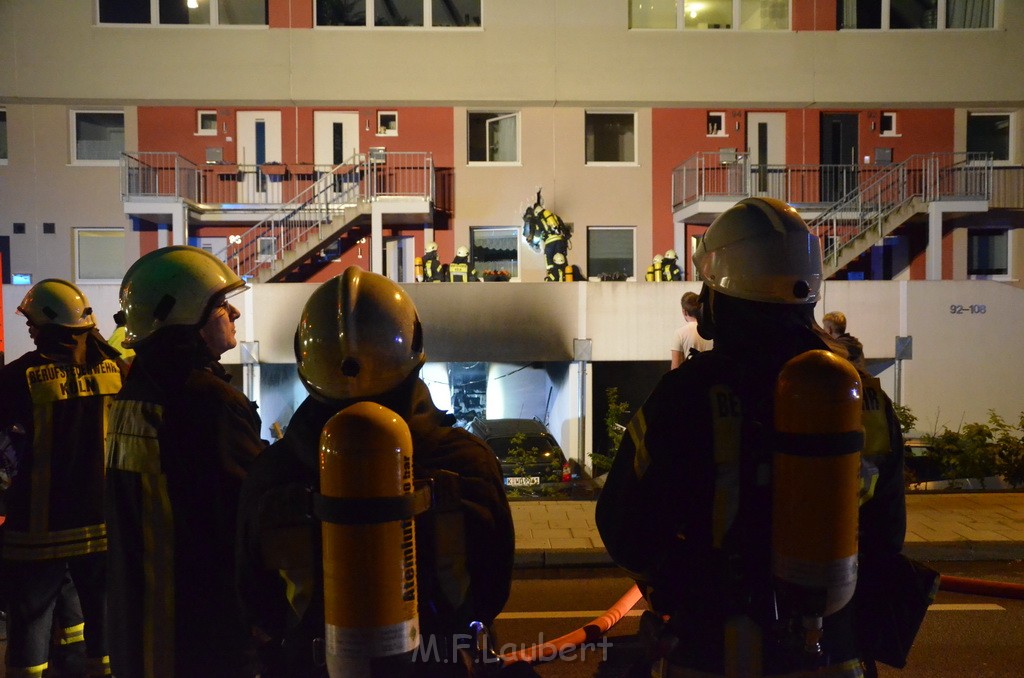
<point>654,272</point>
<point>432,268</point>
<point>669,268</point>
<point>180,442</point>
<point>687,340</point>
<point>835,324</point>
<point>460,270</point>
<point>56,400</point>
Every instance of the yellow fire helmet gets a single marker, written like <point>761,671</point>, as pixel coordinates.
<point>760,249</point>
<point>57,302</point>
<point>174,285</point>
<point>359,336</point>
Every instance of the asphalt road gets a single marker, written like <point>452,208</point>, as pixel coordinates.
<point>962,635</point>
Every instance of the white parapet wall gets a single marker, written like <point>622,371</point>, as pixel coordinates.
<point>965,335</point>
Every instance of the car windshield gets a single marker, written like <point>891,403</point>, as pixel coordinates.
<point>501,445</point>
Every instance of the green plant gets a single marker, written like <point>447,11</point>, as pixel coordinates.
<point>905,417</point>
<point>523,460</point>
<point>616,412</point>
<point>1009,441</point>
<point>968,452</point>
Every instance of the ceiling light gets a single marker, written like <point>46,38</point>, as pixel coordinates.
<point>192,4</point>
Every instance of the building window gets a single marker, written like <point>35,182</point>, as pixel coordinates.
<point>988,252</point>
<point>653,13</point>
<point>611,252</point>
<point>915,14</point>
<point>3,137</point>
<point>493,137</point>
<point>387,124</point>
<point>610,137</point>
<point>412,13</point>
<point>99,254</point>
<point>206,123</point>
<point>716,125</point>
<point>887,127</point>
<point>990,133</point>
<point>495,249</point>
<point>184,12</point>
<point>97,137</point>
<point>747,15</point>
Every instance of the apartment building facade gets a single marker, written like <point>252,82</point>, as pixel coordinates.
<point>125,126</point>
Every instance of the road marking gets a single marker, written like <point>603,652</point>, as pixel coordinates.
<point>593,614</point>
<point>972,607</point>
<point>563,614</point>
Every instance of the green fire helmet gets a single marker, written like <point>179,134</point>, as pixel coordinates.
<point>57,302</point>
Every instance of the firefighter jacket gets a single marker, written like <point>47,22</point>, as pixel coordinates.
<point>59,395</point>
<point>180,441</point>
<point>461,271</point>
<point>551,225</point>
<point>686,508</point>
<point>432,271</point>
<point>670,270</point>
<point>465,550</point>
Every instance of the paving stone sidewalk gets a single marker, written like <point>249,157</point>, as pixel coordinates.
<point>940,527</point>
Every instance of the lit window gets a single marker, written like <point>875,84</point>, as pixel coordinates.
<point>99,254</point>
<point>97,137</point>
<point>610,137</point>
<point>493,137</point>
<point>989,133</point>
<point>708,14</point>
<point>987,252</point>
<point>495,249</point>
<point>610,252</point>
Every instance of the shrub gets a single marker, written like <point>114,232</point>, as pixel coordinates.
<point>617,410</point>
<point>980,450</point>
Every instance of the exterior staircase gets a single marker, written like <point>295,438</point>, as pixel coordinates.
<point>877,207</point>
<point>873,200</point>
<point>304,215</point>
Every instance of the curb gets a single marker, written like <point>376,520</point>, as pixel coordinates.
<point>952,551</point>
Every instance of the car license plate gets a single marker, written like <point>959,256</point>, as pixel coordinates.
<point>522,481</point>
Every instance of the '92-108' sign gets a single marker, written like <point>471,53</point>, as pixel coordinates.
<point>972,309</point>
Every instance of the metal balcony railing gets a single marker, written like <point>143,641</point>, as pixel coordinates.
<point>363,178</point>
<point>867,209</point>
<point>302,198</point>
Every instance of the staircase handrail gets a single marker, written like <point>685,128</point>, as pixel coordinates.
<point>925,176</point>
<point>363,177</point>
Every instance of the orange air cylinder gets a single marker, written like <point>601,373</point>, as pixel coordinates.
<point>372,626</point>
<point>816,481</point>
<point>568,273</point>
<point>418,268</point>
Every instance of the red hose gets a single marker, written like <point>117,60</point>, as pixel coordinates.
<point>981,587</point>
<point>600,626</point>
<point>588,633</point>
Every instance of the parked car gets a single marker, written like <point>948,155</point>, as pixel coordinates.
<point>536,465</point>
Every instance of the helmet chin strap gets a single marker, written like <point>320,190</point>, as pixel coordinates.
<point>705,315</point>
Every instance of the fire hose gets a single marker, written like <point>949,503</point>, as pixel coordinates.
<point>601,625</point>
<point>587,633</point>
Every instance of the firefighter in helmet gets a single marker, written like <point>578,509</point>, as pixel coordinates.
<point>180,441</point>
<point>706,434</point>
<point>461,270</point>
<point>542,228</point>
<point>432,269</point>
<point>56,401</point>
<point>670,270</point>
<point>359,339</point>
<point>654,271</point>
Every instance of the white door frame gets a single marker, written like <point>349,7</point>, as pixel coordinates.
<point>323,135</point>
